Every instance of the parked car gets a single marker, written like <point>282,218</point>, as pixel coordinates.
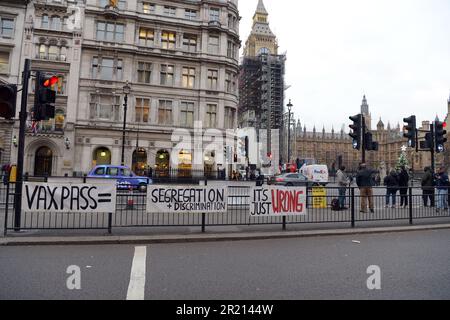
<point>289,180</point>
<point>124,176</point>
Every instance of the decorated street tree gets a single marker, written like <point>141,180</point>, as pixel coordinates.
<point>403,159</point>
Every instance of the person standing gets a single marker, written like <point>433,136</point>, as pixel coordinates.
<point>391,183</point>
<point>364,180</point>
<point>403,183</point>
<point>428,187</point>
<point>343,182</point>
<point>442,184</point>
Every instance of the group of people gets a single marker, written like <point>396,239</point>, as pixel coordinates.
<point>435,188</point>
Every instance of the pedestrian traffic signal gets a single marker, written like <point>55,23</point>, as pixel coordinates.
<point>369,144</point>
<point>8,98</point>
<point>356,133</point>
<point>440,136</point>
<point>44,97</point>
<point>428,143</point>
<point>411,131</point>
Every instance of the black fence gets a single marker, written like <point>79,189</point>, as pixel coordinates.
<point>131,211</point>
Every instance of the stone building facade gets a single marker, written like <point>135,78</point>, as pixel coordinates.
<point>180,59</point>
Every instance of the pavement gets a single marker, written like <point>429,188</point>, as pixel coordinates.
<point>27,239</point>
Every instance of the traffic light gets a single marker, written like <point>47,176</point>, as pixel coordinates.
<point>411,130</point>
<point>44,97</point>
<point>8,98</point>
<point>428,143</point>
<point>356,134</point>
<point>369,144</point>
<point>440,136</point>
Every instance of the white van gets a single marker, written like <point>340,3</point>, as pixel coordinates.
<point>316,173</point>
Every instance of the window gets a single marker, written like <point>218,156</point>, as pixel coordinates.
<point>230,115</point>
<point>190,14</point>
<point>6,27</point>
<point>165,112</point>
<point>231,52</point>
<point>4,62</point>
<point>213,76</point>
<point>214,14</point>
<point>190,42</point>
<point>100,171</point>
<point>120,4</point>
<point>187,114</point>
<point>213,44</point>
<point>110,31</point>
<point>170,11</point>
<point>231,21</point>
<point>59,120</point>
<point>211,116</point>
<point>105,107</point>
<point>108,68</point>
<point>113,171</point>
<point>44,22</point>
<point>142,110</point>
<point>166,75</point>
<point>144,72</point>
<point>148,8</point>
<point>168,40</point>
<point>56,23</point>
<point>146,37</point>
<point>188,77</point>
<point>230,82</point>
<point>53,53</point>
<point>42,51</point>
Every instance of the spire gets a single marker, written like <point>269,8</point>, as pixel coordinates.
<point>261,9</point>
<point>380,124</point>
<point>364,106</point>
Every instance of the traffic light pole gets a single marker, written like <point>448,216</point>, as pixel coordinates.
<point>433,147</point>
<point>21,146</point>
<point>363,139</point>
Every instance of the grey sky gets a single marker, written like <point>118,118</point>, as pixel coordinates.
<point>396,52</point>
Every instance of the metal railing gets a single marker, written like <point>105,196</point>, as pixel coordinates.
<point>131,212</point>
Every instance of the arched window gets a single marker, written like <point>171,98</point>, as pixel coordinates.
<point>43,162</point>
<point>139,165</point>
<point>102,156</point>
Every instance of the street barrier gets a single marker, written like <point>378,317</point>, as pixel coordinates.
<point>238,203</point>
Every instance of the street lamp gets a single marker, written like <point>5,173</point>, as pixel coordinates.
<point>126,92</point>
<point>290,105</point>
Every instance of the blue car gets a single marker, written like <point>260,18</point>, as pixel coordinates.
<point>124,176</point>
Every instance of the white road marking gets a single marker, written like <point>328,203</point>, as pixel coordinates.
<point>136,288</point>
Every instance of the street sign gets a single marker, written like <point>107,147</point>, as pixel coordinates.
<point>202,199</point>
<point>275,201</point>
<point>69,197</point>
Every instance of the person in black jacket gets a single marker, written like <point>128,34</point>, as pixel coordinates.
<point>403,183</point>
<point>365,182</point>
<point>428,187</point>
<point>391,183</point>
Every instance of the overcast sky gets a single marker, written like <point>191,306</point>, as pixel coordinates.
<point>396,52</point>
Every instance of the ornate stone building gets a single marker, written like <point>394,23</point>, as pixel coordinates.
<point>12,20</point>
<point>180,59</point>
<point>335,148</point>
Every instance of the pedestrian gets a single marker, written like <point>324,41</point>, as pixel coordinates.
<point>428,187</point>
<point>343,183</point>
<point>442,185</point>
<point>403,183</point>
<point>391,183</point>
<point>364,180</point>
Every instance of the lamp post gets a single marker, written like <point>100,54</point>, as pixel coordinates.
<point>290,105</point>
<point>126,91</point>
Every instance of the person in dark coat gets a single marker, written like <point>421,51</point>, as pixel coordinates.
<point>365,182</point>
<point>442,186</point>
<point>428,187</point>
<point>391,183</point>
<point>403,183</point>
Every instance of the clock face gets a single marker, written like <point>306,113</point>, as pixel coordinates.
<point>263,51</point>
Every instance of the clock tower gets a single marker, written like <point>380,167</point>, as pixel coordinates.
<point>261,39</point>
